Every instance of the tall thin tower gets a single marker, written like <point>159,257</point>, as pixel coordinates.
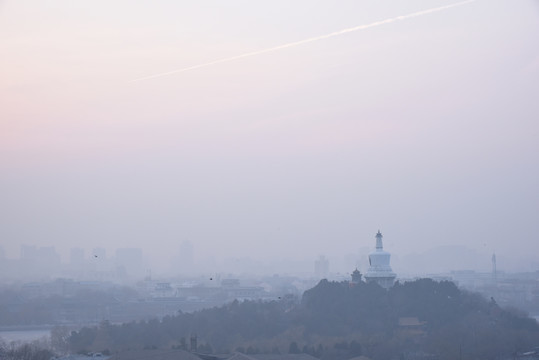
<point>494,274</point>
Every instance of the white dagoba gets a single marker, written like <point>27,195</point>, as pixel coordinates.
<point>379,269</point>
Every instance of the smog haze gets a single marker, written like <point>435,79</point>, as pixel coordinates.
<point>425,128</point>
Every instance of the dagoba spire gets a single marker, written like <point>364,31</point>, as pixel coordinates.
<point>379,244</point>
<point>379,269</point>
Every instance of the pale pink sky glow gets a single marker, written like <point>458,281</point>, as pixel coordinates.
<point>425,128</point>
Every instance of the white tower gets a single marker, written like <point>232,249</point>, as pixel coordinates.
<point>379,269</point>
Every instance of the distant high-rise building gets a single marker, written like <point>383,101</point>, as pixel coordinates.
<point>76,256</point>
<point>40,262</point>
<point>45,254</point>
<point>131,261</point>
<point>28,252</point>
<point>321,267</point>
<point>379,269</point>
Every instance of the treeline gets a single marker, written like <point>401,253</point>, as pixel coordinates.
<point>25,351</point>
<point>336,321</point>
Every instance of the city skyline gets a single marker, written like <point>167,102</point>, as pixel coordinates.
<point>184,262</point>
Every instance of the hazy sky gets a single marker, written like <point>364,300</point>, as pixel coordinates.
<point>425,128</point>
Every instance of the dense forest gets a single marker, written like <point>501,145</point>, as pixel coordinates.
<point>334,320</point>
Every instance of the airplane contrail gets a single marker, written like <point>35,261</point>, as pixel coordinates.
<point>305,41</point>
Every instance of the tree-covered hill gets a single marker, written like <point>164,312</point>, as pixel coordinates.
<point>338,321</point>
